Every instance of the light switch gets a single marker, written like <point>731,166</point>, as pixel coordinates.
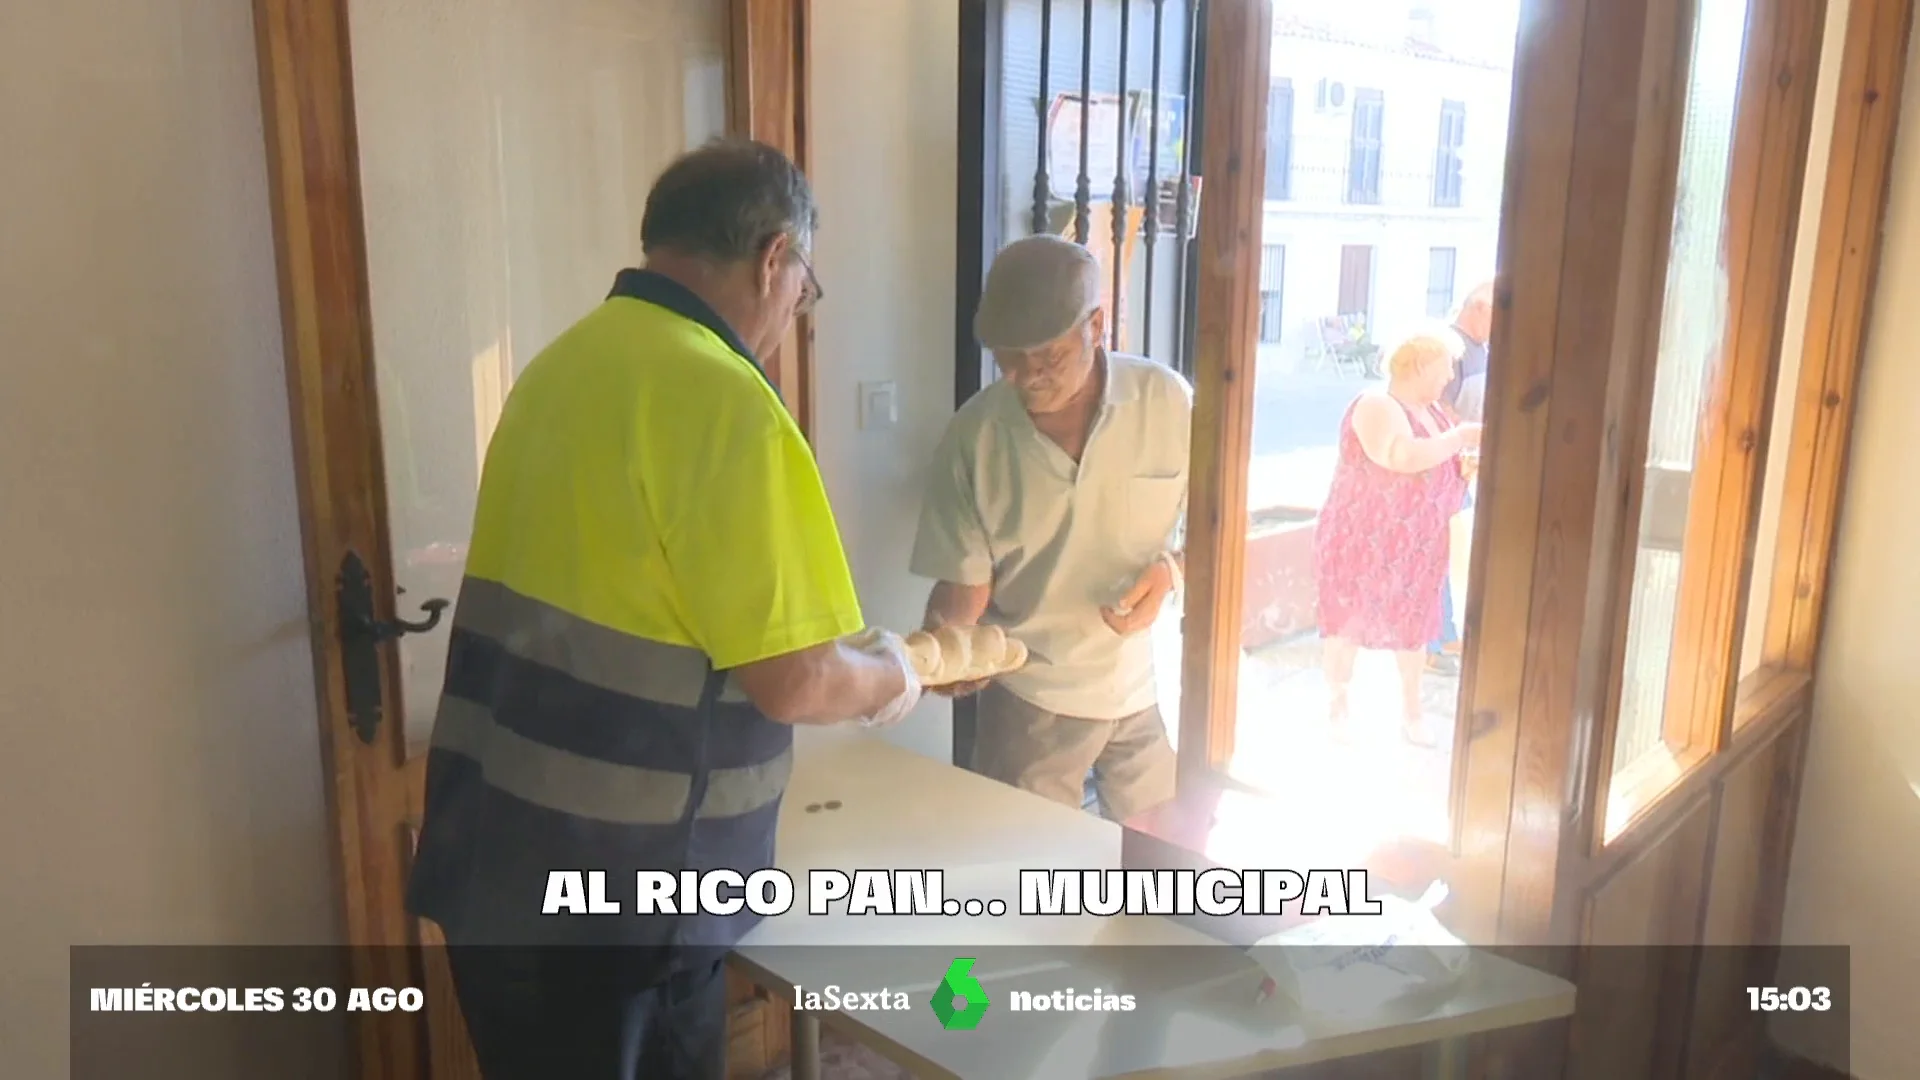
<point>878,405</point>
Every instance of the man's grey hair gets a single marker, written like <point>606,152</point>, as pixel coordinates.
<point>727,200</point>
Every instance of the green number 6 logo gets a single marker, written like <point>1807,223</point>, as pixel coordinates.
<point>960,1001</point>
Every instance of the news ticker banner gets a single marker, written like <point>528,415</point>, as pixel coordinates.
<point>214,1013</point>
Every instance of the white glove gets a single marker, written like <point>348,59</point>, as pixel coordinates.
<point>877,642</point>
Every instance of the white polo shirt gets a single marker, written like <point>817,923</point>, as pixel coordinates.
<point>1057,541</point>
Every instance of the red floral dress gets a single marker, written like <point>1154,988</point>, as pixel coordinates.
<point>1380,548</point>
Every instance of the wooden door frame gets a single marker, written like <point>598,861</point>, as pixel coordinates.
<point>1226,330</point>
<point>308,114</point>
<point>1598,106</point>
<point>1575,395</point>
<point>768,64</point>
<point>1586,212</point>
<point>1737,807</point>
<point>977,229</point>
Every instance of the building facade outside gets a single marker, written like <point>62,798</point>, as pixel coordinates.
<point>1386,153</point>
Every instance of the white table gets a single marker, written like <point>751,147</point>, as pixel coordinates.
<point>858,802</point>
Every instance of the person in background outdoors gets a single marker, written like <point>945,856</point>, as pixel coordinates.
<point>1467,391</point>
<point>1381,541</point>
<point>1053,509</point>
<point>655,595</point>
<point>1465,397</point>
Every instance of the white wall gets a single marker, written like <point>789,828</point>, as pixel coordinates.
<point>1856,856</point>
<point>884,114</point>
<point>161,778</point>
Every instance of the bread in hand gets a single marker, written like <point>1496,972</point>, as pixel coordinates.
<point>959,654</point>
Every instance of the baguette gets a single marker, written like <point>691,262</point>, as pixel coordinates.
<point>960,654</point>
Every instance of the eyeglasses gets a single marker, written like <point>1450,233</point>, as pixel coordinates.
<point>811,292</point>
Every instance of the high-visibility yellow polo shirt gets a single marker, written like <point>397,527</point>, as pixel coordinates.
<point>649,518</point>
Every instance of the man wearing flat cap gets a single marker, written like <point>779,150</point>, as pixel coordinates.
<point>1054,509</point>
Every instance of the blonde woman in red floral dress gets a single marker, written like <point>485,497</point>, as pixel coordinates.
<point>1381,541</point>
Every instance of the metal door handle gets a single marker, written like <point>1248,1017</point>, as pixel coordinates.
<point>362,634</point>
<point>399,627</point>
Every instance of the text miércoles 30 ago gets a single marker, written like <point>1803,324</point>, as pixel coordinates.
<point>269,999</point>
<point>923,892</point>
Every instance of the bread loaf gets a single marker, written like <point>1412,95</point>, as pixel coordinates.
<point>958,654</point>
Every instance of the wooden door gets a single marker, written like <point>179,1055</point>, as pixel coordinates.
<point>453,184</point>
<point>1693,771</point>
<point>1642,145</point>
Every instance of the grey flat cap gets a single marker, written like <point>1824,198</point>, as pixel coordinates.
<point>1039,288</point>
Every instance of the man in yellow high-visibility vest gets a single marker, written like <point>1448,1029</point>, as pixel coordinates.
<point>655,594</point>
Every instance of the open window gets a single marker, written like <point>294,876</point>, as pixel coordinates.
<point>1753,364</point>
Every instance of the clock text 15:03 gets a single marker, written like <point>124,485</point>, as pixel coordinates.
<point>1789,999</point>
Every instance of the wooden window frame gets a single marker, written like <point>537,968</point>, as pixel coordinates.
<point>1583,258</point>
<point>1708,705</point>
<point>1771,129</point>
<point>1846,264</point>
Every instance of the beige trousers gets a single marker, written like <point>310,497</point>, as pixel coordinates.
<point>1019,743</point>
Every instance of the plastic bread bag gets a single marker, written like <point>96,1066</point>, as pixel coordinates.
<point>1347,965</point>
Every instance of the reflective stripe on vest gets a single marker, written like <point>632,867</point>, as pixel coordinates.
<point>579,718</point>
<point>601,790</point>
<point>604,657</point>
